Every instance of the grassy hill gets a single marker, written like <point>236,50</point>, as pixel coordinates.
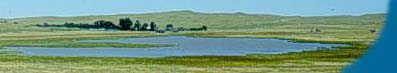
<point>352,30</point>
<point>334,28</point>
<point>217,21</point>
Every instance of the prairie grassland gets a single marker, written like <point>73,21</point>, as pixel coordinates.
<point>306,62</point>
<point>352,30</point>
<point>70,39</point>
<point>303,62</point>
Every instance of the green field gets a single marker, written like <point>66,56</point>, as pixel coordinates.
<point>352,30</point>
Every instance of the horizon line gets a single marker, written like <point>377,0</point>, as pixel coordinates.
<point>217,12</point>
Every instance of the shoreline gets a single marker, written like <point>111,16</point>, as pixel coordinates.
<point>350,44</point>
<point>310,60</point>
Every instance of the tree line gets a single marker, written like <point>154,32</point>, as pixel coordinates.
<point>125,24</point>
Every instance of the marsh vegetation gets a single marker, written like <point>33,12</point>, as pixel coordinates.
<point>355,31</point>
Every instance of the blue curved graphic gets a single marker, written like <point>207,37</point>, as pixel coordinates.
<point>381,58</point>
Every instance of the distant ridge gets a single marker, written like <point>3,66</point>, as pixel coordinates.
<point>190,12</point>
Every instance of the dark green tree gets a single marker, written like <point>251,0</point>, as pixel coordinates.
<point>153,26</point>
<point>104,24</point>
<point>99,24</point>
<point>125,24</point>
<point>372,30</point>
<point>145,27</point>
<point>204,28</point>
<point>46,24</point>
<point>137,26</point>
<point>109,25</point>
<point>169,27</point>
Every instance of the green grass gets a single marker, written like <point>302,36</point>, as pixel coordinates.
<point>71,40</point>
<point>214,21</point>
<point>92,45</point>
<point>351,30</point>
<point>308,61</point>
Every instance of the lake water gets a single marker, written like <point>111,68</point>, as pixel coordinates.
<point>187,46</point>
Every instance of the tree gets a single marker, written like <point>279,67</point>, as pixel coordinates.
<point>137,25</point>
<point>372,30</point>
<point>109,25</point>
<point>317,30</point>
<point>145,27</point>
<point>45,24</point>
<point>125,24</point>
<point>104,24</point>
<point>15,23</point>
<point>204,28</point>
<point>169,27</point>
<point>153,26</point>
<point>100,24</point>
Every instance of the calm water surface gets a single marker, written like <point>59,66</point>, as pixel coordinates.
<point>187,46</point>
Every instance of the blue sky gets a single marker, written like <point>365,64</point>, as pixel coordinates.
<point>29,8</point>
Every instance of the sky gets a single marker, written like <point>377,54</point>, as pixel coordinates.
<point>33,8</point>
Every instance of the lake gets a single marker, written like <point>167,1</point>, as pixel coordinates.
<point>187,46</point>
